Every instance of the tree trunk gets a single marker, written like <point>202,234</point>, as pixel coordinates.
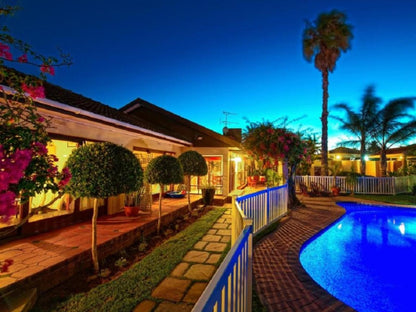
<point>188,188</point>
<point>324,120</point>
<point>383,162</point>
<point>159,220</point>
<point>362,156</point>
<point>293,200</point>
<point>94,252</point>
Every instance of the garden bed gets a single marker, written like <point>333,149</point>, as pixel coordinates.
<point>133,273</point>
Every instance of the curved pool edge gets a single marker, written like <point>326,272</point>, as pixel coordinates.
<point>281,281</point>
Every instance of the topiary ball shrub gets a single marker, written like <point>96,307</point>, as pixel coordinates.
<point>193,163</point>
<point>102,170</point>
<point>164,170</point>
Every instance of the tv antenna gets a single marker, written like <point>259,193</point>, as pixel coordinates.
<point>226,122</point>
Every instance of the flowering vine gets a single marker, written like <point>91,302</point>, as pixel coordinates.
<point>26,168</point>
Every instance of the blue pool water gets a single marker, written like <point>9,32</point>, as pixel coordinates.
<point>367,259</point>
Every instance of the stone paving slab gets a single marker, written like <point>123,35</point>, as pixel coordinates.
<point>180,269</point>
<point>166,306</point>
<point>195,292</point>
<point>200,272</point>
<point>200,245</point>
<point>196,256</point>
<point>145,306</point>
<point>171,289</point>
<point>217,247</point>
<point>211,238</point>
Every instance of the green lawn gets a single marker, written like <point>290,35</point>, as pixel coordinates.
<point>136,284</point>
<point>402,199</point>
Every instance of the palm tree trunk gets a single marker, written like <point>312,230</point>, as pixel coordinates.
<point>159,220</point>
<point>362,156</point>
<point>383,162</point>
<point>94,252</point>
<point>324,120</point>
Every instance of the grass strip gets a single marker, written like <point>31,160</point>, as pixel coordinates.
<point>136,284</point>
<point>401,199</point>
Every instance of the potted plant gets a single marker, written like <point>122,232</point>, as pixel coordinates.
<point>132,202</point>
<point>208,190</point>
<point>163,170</point>
<point>102,170</point>
<point>335,189</point>
<point>193,163</point>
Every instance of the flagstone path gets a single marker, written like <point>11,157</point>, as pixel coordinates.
<point>182,288</point>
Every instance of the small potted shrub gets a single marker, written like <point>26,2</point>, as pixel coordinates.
<point>208,191</point>
<point>132,202</point>
<point>335,190</point>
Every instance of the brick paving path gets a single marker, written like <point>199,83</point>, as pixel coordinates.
<point>185,284</point>
<point>281,282</point>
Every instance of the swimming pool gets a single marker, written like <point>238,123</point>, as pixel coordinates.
<point>367,259</point>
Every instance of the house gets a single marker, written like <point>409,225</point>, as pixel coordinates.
<point>349,160</point>
<point>222,152</point>
<point>77,120</point>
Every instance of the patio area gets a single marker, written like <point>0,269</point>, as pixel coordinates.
<point>45,260</point>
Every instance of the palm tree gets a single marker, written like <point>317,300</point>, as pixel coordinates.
<point>324,40</point>
<point>393,125</point>
<point>360,123</point>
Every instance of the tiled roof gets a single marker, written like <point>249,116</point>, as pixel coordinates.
<point>65,96</point>
<point>176,125</point>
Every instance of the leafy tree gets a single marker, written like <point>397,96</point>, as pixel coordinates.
<point>324,40</point>
<point>393,124</point>
<point>272,144</point>
<point>102,170</point>
<point>163,170</point>
<point>193,163</point>
<point>360,123</point>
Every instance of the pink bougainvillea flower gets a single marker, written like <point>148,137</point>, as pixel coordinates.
<point>40,148</point>
<point>7,205</point>
<point>34,92</point>
<point>22,58</point>
<point>5,52</point>
<point>40,119</point>
<point>47,69</point>
<point>66,177</point>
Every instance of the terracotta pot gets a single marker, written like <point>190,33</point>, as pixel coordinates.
<point>131,211</point>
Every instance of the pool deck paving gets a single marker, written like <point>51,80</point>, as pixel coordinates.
<point>281,282</point>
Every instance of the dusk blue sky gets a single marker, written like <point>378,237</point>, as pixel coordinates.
<point>200,58</point>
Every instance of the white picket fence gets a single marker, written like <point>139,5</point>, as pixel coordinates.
<point>362,185</point>
<point>230,288</point>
